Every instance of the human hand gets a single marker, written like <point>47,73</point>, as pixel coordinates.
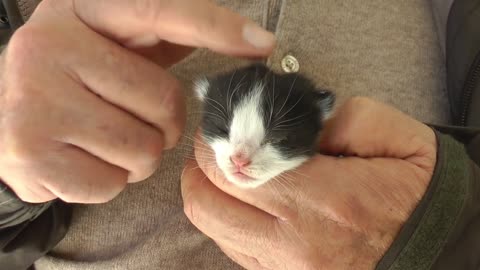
<point>330,213</point>
<point>86,103</point>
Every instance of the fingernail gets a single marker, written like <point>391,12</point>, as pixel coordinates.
<point>258,36</point>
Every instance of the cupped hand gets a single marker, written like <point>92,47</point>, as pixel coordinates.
<point>337,211</point>
<point>86,102</point>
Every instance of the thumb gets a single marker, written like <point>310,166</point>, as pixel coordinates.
<point>366,128</point>
<point>198,23</point>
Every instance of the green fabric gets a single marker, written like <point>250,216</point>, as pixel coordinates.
<point>440,216</point>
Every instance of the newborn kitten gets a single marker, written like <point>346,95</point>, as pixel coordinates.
<point>260,123</point>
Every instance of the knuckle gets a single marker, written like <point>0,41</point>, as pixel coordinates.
<point>172,99</point>
<point>73,195</point>
<point>143,173</point>
<point>70,193</point>
<point>152,154</point>
<point>24,51</point>
<point>104,199</point>
<point>173,112</point>
<point>212,17</point>
<point>360,100</point>
<point>19,100</point>
<point>355,112</point>
<point>69,197</point>
<point>210,22</point>
<point>32,196</point>
<point>359,103</point>
<point>26,45</point>
<point>113,191</point>
<point>20,86</point>
<point>191,209</point>
<point>17,146</point>
<point>87,191</point>
<point>155,147</point>
<point>114,57</point>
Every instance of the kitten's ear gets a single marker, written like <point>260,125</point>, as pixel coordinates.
<point>201,86</point>
<point>325,103</point>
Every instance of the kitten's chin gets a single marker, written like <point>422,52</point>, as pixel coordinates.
<point>243,181</point>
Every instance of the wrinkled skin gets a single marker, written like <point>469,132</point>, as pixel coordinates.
<point>86,102</point>
<point>332,212</point>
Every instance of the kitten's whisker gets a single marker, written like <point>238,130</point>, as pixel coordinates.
<point>198,167</point>
<point>215,115</point>
<point>192,155</point>
<point>196,112</point>
<point>269,105</point>
<point>294,105</point>
<point>228,91</point>
<point>206,160</point>
<point>221,109</point>
<point>237,87</point>
<point>273,101</point>
<point>280,129</point>
<point>194,139</point>
<point>291,119</point>
<point>279,182</point>
<point>212,159</point>
<point>295,171</point>
<point>289,125</point>
<point>298,173</point>
<point>189,147</point>
<point>286,99</point>
<point>287,182</point>
<point>290,183</point>
<point>277,189</point>
<point>208,166</point>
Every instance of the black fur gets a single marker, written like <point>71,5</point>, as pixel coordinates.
<point>295,132</point>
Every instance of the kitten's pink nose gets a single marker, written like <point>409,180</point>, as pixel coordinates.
<point>240,161</point>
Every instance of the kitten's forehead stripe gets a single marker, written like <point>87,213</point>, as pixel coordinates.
<point>247,127</point>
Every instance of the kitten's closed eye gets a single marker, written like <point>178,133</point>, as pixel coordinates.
<point>278,140</point>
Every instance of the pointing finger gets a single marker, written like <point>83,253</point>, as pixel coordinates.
<point>197,23</point>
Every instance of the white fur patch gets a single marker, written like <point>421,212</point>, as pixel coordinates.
<point>201,87</point>
<point>247,130</point>
<point>267,163</point>
<point>247,134</point>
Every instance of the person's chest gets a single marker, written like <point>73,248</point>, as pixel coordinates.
<point>385,49</point>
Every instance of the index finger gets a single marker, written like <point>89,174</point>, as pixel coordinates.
<point>198,23</point>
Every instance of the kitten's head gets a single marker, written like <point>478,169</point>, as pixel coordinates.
<point>259,123</point>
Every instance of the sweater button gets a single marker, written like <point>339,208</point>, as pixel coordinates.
<point>290,64</point>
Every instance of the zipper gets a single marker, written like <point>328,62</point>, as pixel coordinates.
<point>470,84</point>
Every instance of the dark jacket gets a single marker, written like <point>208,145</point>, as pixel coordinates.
<point>442,233</point>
